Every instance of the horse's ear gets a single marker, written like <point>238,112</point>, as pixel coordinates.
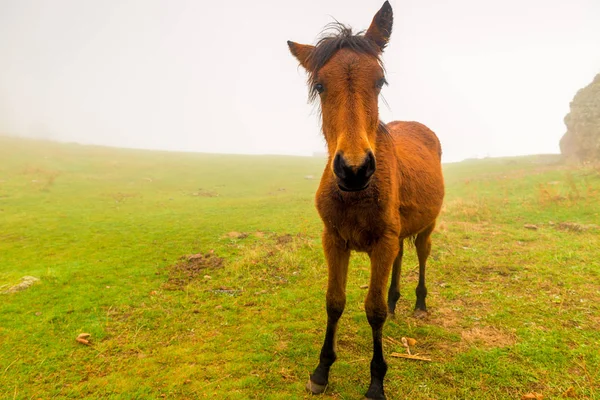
<point>381,27</point>
<point>302,52</point>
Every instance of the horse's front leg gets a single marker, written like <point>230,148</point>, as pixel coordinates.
<point>337,255</point>
<point>382,256</point>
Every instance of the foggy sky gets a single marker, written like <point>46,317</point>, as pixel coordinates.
<point>491,78</point>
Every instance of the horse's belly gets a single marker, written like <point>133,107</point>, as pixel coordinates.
<point>414,222</point>
<point>415,218</point>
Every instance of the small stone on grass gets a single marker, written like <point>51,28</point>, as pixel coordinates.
<point>25,283</point>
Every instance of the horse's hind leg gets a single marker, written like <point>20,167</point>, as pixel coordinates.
<point>337,256</point>
<point>394,291</point>
<point>423,245</point>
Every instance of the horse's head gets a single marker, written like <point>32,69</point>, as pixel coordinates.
<point>345,72</point>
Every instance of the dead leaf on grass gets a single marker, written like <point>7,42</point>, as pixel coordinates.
<point>287,375</point>
<point>83,338</point>
<point>570,392</point>
<point>532,396</point>
<point>405,343</point>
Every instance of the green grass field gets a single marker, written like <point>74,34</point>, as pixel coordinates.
<point>512,310</point>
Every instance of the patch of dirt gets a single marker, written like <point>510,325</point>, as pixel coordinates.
<point>488,336</point>
<point>289,239</point>
<point>191,267</point>
<point>236,235</point>
<point>205,193</point>
<point>122,197</point>
<point>280,190</point>
<point>284,239</point>
<point>445,317</point>
<point>574,227</point>
<point>457,317</point>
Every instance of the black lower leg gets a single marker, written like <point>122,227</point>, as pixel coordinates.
<point>382,258</point>
<point>394,291</point>
<point>327,357</point>
<point>421,292</point>
<point>378,367</point>
<point>423,245</point>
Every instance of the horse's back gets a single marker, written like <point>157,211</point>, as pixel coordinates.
<point>411,136</point>
<point>418,153</point>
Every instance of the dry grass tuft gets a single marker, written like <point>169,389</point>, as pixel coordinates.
<point>488,336</point>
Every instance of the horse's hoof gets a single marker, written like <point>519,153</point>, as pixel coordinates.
<point>375,397</point>
<point>420,314</point>
<point>375,392</point>
<point>378,397</point>
<point>315,388</point>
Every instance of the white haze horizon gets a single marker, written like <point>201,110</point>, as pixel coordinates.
<point>318,153</point>
<point>491,79</point>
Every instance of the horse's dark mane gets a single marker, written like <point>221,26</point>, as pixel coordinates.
<point>334,37</point>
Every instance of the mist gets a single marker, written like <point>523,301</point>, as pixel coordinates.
<point>490,78</point>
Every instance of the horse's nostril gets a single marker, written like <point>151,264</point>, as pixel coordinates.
<point>340,167</point>
<point>369,165</point>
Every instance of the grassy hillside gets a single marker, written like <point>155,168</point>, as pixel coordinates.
<point>512,310</point>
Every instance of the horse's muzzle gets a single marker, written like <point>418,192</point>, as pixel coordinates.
<point>350,178</point>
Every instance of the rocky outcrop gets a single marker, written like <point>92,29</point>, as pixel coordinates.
<point>582,140</point>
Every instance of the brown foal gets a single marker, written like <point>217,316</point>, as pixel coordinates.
<point>381,185</point>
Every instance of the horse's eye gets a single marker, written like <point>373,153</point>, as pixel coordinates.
<point>380,83</point>
<point>319,88</point>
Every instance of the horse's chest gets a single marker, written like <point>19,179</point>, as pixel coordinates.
<point>360,227</point>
